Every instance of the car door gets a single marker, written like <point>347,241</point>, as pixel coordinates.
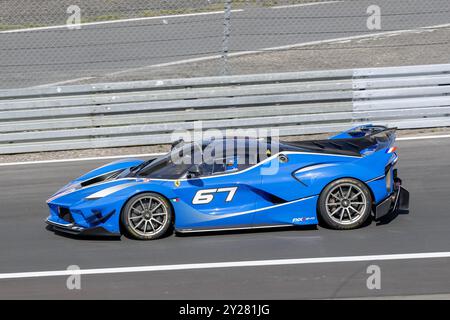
<point>222,197</point>
<point>280,204</point>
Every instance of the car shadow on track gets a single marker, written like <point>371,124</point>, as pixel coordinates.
<point>391,217</point>
<point>246,231</point>
<point>78,237</point>
<point>383,221</point>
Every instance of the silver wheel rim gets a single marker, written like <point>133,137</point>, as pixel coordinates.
<point>147,216</point>
<point>346,203</point>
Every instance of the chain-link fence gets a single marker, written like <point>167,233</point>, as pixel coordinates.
<point>46,42</point>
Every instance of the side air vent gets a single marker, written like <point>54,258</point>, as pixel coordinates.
<point>103,177</point>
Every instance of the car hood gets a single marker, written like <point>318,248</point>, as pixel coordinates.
<point>112,167</point>
<point>99,179</point>
<point>73,195</point>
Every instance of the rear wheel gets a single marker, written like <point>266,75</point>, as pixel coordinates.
<point>147,216</point>
<point>345,204</point>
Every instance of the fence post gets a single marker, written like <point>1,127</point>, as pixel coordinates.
<point>226,36</point>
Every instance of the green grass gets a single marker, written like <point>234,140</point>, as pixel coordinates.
<point>5,27</point>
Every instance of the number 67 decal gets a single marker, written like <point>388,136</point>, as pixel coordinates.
<point>207,195</point>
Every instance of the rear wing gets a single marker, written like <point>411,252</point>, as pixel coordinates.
<point>365,131</point>
<point>354,142</point>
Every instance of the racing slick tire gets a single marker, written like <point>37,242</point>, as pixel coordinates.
<point>345,204</point>
<point>147,216</point>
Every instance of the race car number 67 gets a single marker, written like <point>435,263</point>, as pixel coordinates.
<point>207,195</point>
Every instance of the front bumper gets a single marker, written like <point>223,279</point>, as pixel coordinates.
<point>73,229</point>
<point>397,201</point>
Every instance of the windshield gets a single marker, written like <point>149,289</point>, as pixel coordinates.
<point>172,165</point>
<point>212,157</point>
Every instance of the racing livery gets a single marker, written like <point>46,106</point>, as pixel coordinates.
<point>342,182</point>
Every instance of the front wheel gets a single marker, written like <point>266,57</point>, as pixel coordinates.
<point>345,204</point>
<point>147,216</point>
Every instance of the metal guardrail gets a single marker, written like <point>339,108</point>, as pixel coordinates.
<point>147,112</point>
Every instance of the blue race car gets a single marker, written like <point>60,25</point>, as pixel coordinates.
<point>341,182</point>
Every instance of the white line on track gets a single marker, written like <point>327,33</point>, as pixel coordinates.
<point>233,264</point>
<point>81,159</point>
<point>119,21</point>
<point>304,4</point>
<point>243,53</point>
<point>159,17</point>
<point>279,48</point>
<point>60,83</point>
<point>165,64</point>
<point>423,137</point>
<point>159,154</point>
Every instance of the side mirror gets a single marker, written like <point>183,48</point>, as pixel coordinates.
<point>194,171</point>
<point>176,144</point>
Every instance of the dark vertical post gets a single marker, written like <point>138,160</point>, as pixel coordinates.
<point>226,36</point>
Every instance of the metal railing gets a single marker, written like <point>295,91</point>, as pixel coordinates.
<point>147,112</point>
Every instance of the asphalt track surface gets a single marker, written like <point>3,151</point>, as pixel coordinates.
<point>26,246</point>
<point>30,58</point>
